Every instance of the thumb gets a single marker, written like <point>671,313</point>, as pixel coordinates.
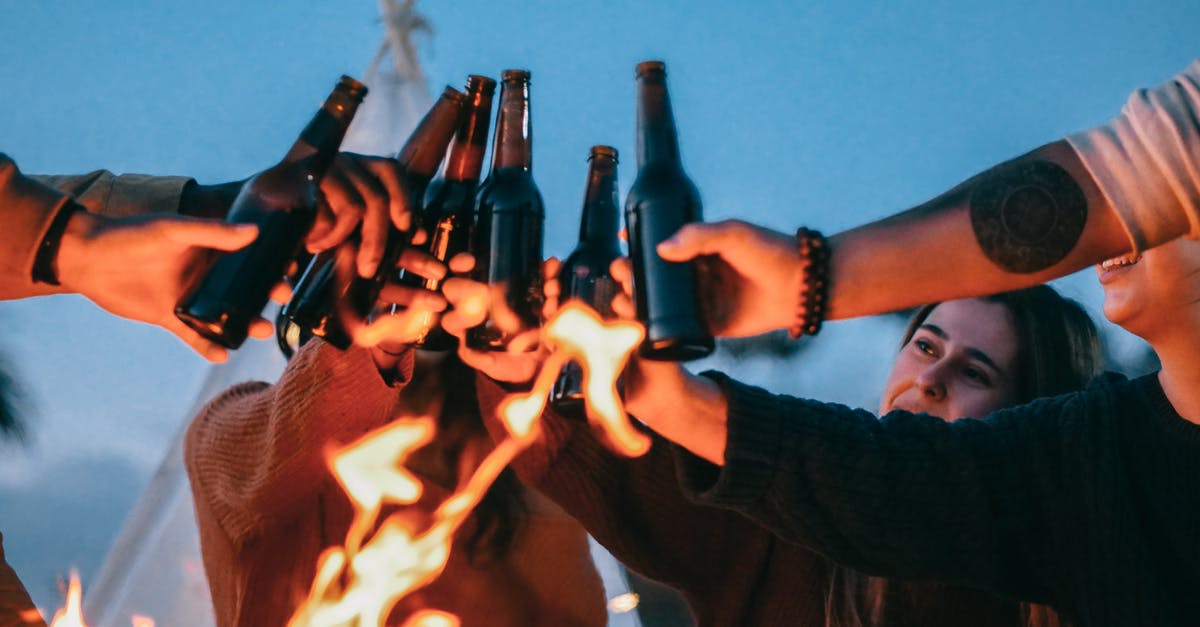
<point>696,239</point>
<point>213,234</point>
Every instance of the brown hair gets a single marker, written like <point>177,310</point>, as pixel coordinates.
<point>1058,351</point>
<point>1058,347</point>
<point>446,389</point>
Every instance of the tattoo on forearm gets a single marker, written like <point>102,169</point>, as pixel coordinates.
<point>1027,216</point>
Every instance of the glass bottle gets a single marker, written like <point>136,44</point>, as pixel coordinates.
<point>585,273</point>
<point>661,200</point>
<point>507,238</point>
<point>282,201</point>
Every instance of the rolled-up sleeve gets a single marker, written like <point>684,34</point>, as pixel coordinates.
<point>1146,161</point>
<point>29,203</point>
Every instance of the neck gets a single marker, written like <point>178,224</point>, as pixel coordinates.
<point>1180,374</point>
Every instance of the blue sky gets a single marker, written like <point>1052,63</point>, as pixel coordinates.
<point>825,114</point>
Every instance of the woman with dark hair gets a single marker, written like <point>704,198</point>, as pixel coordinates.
<point>267,505</point>
<point>958,359</point>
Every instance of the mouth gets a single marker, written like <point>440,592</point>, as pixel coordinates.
<point>1110,268</point>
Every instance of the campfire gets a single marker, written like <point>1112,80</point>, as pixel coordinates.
<point>359,582</point>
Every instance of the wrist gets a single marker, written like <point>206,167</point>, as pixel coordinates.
<point>813,291</point>
<point>208,201</point>
<point>62,254</point>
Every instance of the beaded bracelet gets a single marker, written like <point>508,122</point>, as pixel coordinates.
<point>45,268</point>
<point>814,291</point>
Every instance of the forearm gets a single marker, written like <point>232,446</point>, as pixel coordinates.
<point>1030,220</point>
<point>256,451</point>
<point>906,496</point>
<point>684,408</point>
<point>633,506</point>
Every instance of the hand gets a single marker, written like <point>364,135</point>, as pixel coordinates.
<point>751,276</point>
<point>390,332</point>
<point>471,302</point>
<point>682,407</point>
<point>367,189</point>
<point>139,267</point>
<point>649,388</point>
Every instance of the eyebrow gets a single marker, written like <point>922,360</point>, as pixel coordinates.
<point>973,352</point>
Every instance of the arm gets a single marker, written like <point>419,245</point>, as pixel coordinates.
<point>974,502</point>
<point>634,507</point>
<point>254,453</point>
<point>1131,184</point>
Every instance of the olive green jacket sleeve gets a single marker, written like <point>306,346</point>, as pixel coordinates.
<point>28,204</point>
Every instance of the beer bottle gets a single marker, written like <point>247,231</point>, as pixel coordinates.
<point>507,238</point>
<point>661,200</point>
<point>314,305</point>
<point>450,201</point>
<point>282,201</point>
<point>584,274</point>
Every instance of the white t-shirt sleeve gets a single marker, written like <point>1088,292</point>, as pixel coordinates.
<point>1146,161</point>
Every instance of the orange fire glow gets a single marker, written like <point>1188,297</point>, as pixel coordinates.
<point>71,614</point>
<point>359,583</point>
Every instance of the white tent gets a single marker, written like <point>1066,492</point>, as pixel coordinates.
<point>154,566</point>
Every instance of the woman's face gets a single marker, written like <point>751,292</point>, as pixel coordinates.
<point>960,363</point>
<point>1146,295</point>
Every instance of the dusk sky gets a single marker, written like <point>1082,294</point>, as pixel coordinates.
<point>822,114</point>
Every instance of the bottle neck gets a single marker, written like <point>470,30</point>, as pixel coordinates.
<point>318,143</point>
<point>514,133</point>
<point>600,221</point>
<point>657,141</point>
<point>470,140</point>
<point>426,146</point>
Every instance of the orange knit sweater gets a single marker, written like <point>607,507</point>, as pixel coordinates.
<point>267,506</point>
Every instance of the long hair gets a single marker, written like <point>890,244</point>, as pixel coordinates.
<point>447,389</point>
<point>1058,351</point>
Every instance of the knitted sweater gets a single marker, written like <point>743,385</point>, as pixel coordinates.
<point>1086,501</point>
<point>731,571</point>
<point>267,506</point>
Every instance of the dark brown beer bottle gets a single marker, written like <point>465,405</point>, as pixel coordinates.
<point>282,201</point>
<point>313,306</point>
<point>585,273</point>
<point>507,238</point>
<point>450,201</point>
<point>660,202</point>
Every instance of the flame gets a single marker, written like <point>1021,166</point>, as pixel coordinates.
<point>71,614</point>
<point>623,603</point>
<point>432,618</point>
<point>359,582</point>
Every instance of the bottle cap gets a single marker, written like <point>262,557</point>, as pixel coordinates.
<point>515,75</point>
<point>649,68</point>
<point>603,151</point>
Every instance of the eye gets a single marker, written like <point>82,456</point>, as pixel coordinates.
<point>925,346</point>
<point>976,375</point>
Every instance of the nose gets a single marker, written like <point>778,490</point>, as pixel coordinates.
<point>932,381</point>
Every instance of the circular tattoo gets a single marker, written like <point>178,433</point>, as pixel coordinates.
<point>1027,216</point>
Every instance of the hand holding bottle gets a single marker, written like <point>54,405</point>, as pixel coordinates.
<point>751,276</point>
<point>472,303</point>
<point>139,267</point>
<point>682,407</point>
<point>367,190</point>
<point>393,332</point>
